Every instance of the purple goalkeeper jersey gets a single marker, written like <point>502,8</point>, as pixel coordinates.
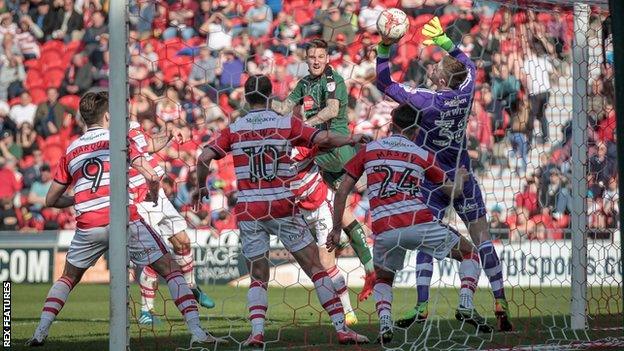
<point>442,114</point>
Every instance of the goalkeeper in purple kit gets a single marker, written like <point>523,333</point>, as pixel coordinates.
<point>442,122</point>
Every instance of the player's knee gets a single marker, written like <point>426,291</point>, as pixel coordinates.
<point>328,259</point>
<point>73,273</point>
<point>165,265</point>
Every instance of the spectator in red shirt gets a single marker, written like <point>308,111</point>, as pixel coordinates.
<point>11,184</point>
<point>606,127</point>
<point>528,198</point>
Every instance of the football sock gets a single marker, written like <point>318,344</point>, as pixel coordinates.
<point>469,271</point>
<point>184,299</point>
<point>328,298</point>
<point>492,268</point>
<point>257,302</point>
<point>57,295</point>
<point>383,298</point>
<point>424,271</point>
<point>341,288</point>
<point>148,283</point>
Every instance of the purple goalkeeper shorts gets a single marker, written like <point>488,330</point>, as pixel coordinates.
<point>469,206</point>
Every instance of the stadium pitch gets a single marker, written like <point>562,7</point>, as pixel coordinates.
<point>296,319</point>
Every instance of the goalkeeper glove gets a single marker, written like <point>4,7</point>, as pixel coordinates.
<point>434,33</point>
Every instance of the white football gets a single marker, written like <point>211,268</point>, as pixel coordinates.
<point>392,23</point>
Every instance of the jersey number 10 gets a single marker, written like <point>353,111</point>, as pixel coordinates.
<point>257,162</point>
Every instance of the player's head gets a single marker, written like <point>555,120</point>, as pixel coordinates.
<point>405,120</point>
<point>316,56</point>
<point>94,109</point>
<point>258,89</point>
<point>449,73</point>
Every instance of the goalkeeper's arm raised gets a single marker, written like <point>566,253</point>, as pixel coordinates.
<point>418,98</point>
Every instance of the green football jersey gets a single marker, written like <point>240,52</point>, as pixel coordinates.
<point>312,94</point>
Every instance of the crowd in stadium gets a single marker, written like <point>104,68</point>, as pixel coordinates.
<point>189,59</point>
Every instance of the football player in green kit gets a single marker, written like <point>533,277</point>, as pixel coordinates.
<point>322,96</point>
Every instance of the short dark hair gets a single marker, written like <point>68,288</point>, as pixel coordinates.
<point>258,89</point>
<point>317,44</point>
<point>405,117</point>
<point>454,71</point>
<point>93,105</point>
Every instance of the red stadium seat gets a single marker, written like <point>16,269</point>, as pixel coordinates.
<point>447,19</point>
<point>420,21</point>
<point>302,16</point>
<point>54,77</point>
<point>520,17</point>
<point>52,45</point>
<point>34,78</point>
<point>38,95</point>
<point>71,101</point>
<point>195,41</point>
<point>224,104</point>
<point>51,59</point>
<point>32,64</point>
<point>544,17</point>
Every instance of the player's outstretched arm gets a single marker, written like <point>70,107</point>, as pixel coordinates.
<point>340,201</point>
<point>418,98</point>
<point>56,198</point>
<point>330,111</point>
<point>326,140</point>
<point>159,141</point>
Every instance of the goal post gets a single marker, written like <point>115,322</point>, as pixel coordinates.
<point>617,28</point>
<point>118,97</point>
<point>580,75</point>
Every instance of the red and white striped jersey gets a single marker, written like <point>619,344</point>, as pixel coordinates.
<point>261,143</point>
<point>395,168</point>
<point>86,165</point>
<point>308,187</point>
<point>136,182</point>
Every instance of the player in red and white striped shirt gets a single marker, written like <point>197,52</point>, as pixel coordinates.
<point>313,198</point>
<point>395,168</point>
<point>163,217</point>
<point>86,167</point>
<point>261,143</point>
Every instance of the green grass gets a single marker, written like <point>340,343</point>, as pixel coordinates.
<point>296,322</point>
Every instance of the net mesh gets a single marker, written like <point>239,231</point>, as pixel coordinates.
<point>518,134</point>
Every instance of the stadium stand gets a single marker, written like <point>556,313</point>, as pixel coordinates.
<point>190,58</point>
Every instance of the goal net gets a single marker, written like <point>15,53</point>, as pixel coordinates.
<point>540,137</point>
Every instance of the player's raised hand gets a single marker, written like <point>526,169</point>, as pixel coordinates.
<point>333,239</point>
<point>435,35</point>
